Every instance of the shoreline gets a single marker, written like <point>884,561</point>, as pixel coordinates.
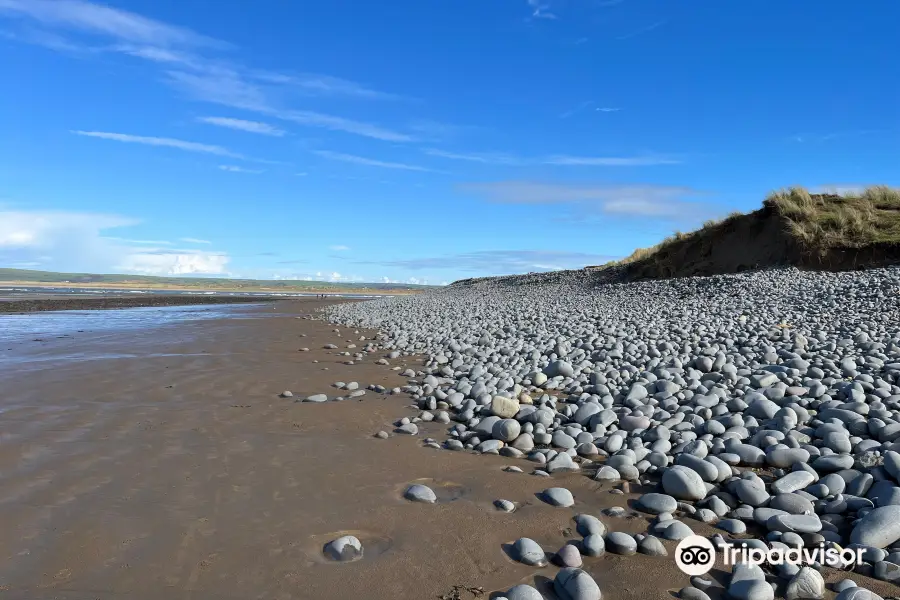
<point>181,472</point>
<point>32,305</point>
<point>236,289</point>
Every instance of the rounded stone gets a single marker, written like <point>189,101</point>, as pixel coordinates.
<point>558,496</point>
<point>619,542</point>
<point>345,548</point>
<point>683,483</point>
<point>528,552</point>
<point>420,493</point>
<point>655,503</point>
<point>575,584</point>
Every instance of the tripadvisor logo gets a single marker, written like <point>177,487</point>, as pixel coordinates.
<point>696,555</point>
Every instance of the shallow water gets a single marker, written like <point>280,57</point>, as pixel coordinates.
<point>78,335</point>
<point>25,292</point>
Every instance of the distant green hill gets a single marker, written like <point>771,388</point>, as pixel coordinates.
<point>204,283</point>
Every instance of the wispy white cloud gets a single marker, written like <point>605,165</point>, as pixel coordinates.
<point>324,85</point>
<point>622,200</point>
<point>541,10</point>
<point>834,135</point>
<point>190,68</point>
<point>220,85</point>
<point>610,161</point>
<point>339,248</point>
<point>237,169</point>
<point>103,20</point>
<point>360,160</point>
<point>49,40</point>
<point>140,242</point>
<point>160,141</point>
<point>577,109</point>
<point>642,30</point>
<point>190,240</point>
<point>435,131</point>
<point>497,158</point>
<point>315,119</point>
<point>499,262</point>
<point>489,158</point>
<point>586,105</point>
<point>243,125</point>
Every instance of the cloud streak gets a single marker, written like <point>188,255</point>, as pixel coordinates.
<point>360,160</point>
<point>325,85</point>
<point>488,158</point>
<point>642,30</point>
<point>243,125</point>
<point>500,262</point>
<point>107,21</point>
<point>160,141</point>
<point>540,10</point>
<point>315,119</point>
<point>237,169</point>
<point>669,202</point>
<point>497,158</point>
<point>610,161</point>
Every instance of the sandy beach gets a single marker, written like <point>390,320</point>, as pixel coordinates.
<point>188,477</point>
<point>179,472</point>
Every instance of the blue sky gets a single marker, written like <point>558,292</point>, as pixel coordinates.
<point>421,140</point>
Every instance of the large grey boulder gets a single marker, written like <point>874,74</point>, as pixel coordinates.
<point>879,529</point>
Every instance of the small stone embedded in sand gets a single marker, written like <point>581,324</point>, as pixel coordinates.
<point>330,347</point>
<point>575,584</point>
<point>587,525</point>
<point>382,435</point>
<point>529,552</point>
<point>692,593</point>
<point>286,394</point>
<point>561,463</point>
<point>651,546</point>
<point>504,505</point>
<point>558,496</point>
<point>316,398</point>
<point>619,542</point>
<point>593,545</point>
<point>568,556</point>
<point>420,493</point>
<point>408,429</point>
<point>344,549</point>
<point>523,592</point>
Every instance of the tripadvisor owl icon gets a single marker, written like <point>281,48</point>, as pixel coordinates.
<point>695,555</point>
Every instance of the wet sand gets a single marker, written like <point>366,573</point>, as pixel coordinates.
<point>18,304</point>
<point>187,477</point>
